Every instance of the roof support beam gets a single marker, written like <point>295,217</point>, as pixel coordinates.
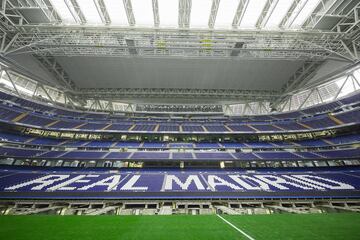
<point>92,105</point>
<point>35,90</point>
<point>87,41</point>
<point>99,105</point>
<point>266,13</point>
<point>286,20</point>
<point>351,23</point>
<point>155,93</point>
<point>184,13</point>
<point>69,101</point>
<point>3,41</point>
<point>75,10</point>
<point>351,49</point>
<point>43,5</point>
<point>323,9</point>
<point>27,46</point>
<point>298,79</point>
<point>53,12</point>
<point>12,83</point>
<point>129,12</point>
<point>340,51</point>
<point>10,19</point>
<point>101,8</point>
<point>240,11</point>
<point>49,12</point>
<point>155,5</point>
<point>213,13</point>
<point>356,80</point>
<point>47,94</point>
<point>4,46</point>
<point>307,98</point>
<point>340,89</point>
<point>300,76</point>
<point>320,97</point>
<point>109,106</point>
<point>54,67</point>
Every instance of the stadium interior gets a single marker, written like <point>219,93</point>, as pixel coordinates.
<point>180,107</point>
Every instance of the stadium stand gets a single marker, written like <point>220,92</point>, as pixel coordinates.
<point>218,107</point>
<point>303,122</point>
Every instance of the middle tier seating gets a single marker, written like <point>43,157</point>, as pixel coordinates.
<point>315,143</point>
<point>343,154</point>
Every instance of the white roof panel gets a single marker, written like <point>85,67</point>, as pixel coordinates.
<point>252,13</point>
<point>226,13</point>
<point>168,13</point>
<point>63,11</point>
<point>282,7</point>
<point>90,11</point>
<point>200,13</point>
<point>308,8</point>
<point>143,13</point>
<point>116,11</point>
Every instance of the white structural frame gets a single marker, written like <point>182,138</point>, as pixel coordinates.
<point>124,100</point>
<point>100,41</point>
<point>55,38</point>
<point>83,39</point>
<point>315,93</point>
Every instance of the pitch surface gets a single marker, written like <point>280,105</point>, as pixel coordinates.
<point>209,227</point>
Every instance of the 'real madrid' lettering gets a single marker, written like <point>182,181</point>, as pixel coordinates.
<point>40,182</point>
<point>279,182</point>
<point>173,182</point>
<point>310,178</point>
<point>215,181</point>
<point>238,180</point>
<point>169,179</point>
<point>313,186</point>
<point>130,184</point>
<point>111,182</point>
<point>65,185</point>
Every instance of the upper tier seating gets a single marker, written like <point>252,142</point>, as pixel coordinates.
<point>322,108</point>
<point>319,122</point>
<point>84,154</point>
<point>345,139</point>
<point>277,155</point>
<point>100,144</point>
<point>240,128</point>
<point>349,117</point>
<point>192,128</point>
<point>34,114</point>
<point>144,128</point>
<point>8,114</point>
<point>168,128</point>
<point>93,126</point>
<point>119,127</point>
<point>42,107</point>
<point>216,128</point>
<point>292,126</point>
<point>36,120</point>
<point>19,152</point>
<point>265,127</point>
